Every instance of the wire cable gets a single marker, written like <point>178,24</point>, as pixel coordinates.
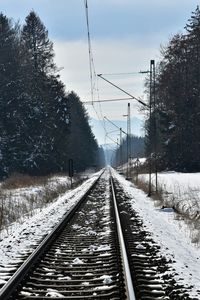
<point>118,74</point>
<point>93,75</point>
<point>91,60</point>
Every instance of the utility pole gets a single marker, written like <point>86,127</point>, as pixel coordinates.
<point>128,139</point>
<point>152,126</point>
<point>129,127</point>
<point>155,125</point>
<point>150,129</point>
<point>121,131</point>
<point>153,138</point>
<point>120,146</point>
<point>128,148</point>
<point>152,72</point>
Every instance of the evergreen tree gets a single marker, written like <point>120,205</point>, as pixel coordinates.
<point>58,125</point>
<point>38,47</point>
<point>100,161</point>
<point>193,87</point>
<point>137,149</point>
<point>178,100</point>
<point>9,89</point>
<point>41,126</point>
<point>41,86</point>
<point>82,147</point>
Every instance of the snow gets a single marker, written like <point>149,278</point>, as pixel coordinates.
<point>65,278</point>
<point>86,283</point>
<point>140,247</point>
<point>172,235</point>
<point>77,261</point>
<point>102,288</point>
<point>177,182</point>
<point>17,202</point>
<point>103,248</point>
<point>53,293</point>
<point>23,238</point>
<point>180,190</point>
<point>107,279</point>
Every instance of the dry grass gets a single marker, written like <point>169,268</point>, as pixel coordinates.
<point>187,204</point>
<point>14,208</point>
<point>51,194</point>
<point>144,186</point>
<point>17,180</point>
<point>187,207</point>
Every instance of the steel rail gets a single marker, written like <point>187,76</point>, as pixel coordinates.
<point>13,283</point>
<point>125,264</point>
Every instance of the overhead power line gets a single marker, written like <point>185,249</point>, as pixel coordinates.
<point>107,100</point>
<point>122,73</point>
<point>132,97</point>
<point>93,75</point>
<point>114,125</point>
<point>91,60</point>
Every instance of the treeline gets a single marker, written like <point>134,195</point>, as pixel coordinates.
<point>135,148</point>
<point>41,126</point>
<point>176,114</point>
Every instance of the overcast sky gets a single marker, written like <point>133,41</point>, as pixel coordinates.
<point>125,35</point>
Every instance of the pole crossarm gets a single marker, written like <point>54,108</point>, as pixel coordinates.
<point>112,140</point>
<point>132,97</point>
<point>107,100</point>
<point>115,125</point>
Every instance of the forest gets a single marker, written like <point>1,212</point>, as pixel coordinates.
<point>174,127</point>
<point>131,147</point>
<point>41,125</point>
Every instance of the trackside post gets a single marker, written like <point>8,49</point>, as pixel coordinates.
<point>71,169</point>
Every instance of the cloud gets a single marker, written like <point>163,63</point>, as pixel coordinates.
<point>111,19</point>
<point>110,56</point>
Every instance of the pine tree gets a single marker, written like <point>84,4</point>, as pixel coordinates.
<point>101,158</point>
<point>41,126</point>
<point>10,118</point>
<point>178,98</point>
<point>38,69</point>
<point>38,47</point>
<point>137,149</point>
<point>58,124</point>
<point>82,147</point>
<point>193,87</point>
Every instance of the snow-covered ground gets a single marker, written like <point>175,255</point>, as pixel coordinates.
<point>171,234</point>
<point>15,203</point>
<point>23,237</point>
<point>180,190</point>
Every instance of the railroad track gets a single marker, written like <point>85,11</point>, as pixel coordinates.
<point>80,259</point>
<point>89,255</point>
<point>149,268</point>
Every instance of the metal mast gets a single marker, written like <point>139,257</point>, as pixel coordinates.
<point>128,140</point>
